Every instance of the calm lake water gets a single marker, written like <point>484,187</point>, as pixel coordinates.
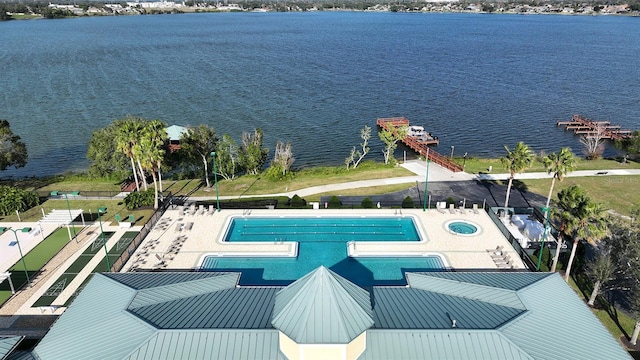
<point>314,79</point>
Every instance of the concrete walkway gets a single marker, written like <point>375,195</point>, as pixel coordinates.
<point>436,174</point>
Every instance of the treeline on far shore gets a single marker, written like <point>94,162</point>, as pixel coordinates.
<point>68,8</point>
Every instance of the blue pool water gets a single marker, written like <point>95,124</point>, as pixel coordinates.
<point>340,229</point>
<point>463,228</point>
<point>322,241</point>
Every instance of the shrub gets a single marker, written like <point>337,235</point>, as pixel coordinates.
<point>408,203</point>
<point>334,202</point>
<point>366,203</point>
<point>297,202</point>
<point>12,199</point>
<point>450,200</point>
<point>138,199</point>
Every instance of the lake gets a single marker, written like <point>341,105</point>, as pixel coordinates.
<point>478,82</point>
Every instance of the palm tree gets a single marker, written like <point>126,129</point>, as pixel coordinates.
<point>156,131</point>
<point>579,217</point>
<point>559,164</point>
<point>126,141</point>
<point>151,156</point>
<point>516,161</point>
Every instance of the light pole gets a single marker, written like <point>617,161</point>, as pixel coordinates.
<point>215,179</point>
<point>104,242</point>
<point>426,183</point>
<point>452,147</point>
<point>464,160</point>
<point>15,233</point>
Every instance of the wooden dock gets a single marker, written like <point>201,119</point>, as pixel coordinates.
<point>421,146</point>
<point>589,128</point>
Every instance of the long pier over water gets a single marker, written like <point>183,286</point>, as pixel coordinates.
<point>421,147</point>
<point>589,128</point>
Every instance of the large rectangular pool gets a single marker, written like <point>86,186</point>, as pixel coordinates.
<point>302,229</point>
<point>322,241</point>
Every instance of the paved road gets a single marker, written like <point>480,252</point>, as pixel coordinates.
<point>443,184</point>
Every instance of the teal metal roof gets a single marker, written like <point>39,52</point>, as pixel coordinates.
<point>188,288</point>
<point>236,345</point>
<point>500,280</point>
<point>229,322</point>
<point>142,280</point>
<point>552,304</point>
<point>96,325</point>
<point>322,308</point>
<point>175,132</point>
<point>243,308</point>
<point>442,345</point>
<point>7,344</point>
<point>406,308</point>
<point>498,296</point>
<point>21,355</point>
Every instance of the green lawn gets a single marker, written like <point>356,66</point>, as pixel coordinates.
<point>88,206</point>
<point>34,260</point>
<point>256,185</point>
<point>618,193</point>
<point>478,165</point>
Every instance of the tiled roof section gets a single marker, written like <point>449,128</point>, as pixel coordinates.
<point>472,291</point>
<point>138,281</point>
<point>502,280</point>
<point>7,344</point>
<point>211,344</point>
<point>96,325</point>
<point>407,308</point>
<point>552,301</point>
<point>322,308</point>
<point>185,289</point>
<point>237,308</point>
<point>449,345</point>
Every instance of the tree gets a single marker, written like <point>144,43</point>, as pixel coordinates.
<point>127,140</point>
<point>13,199</point>
<point>600,270</point>
<point>593,143</point>
<point>105,158</point>
<point>580,218</point>
<point>516,161</point>
<point>199,142</point>
<point>365,135</point>
<point>13,152</point>
<point>558,164</point>
<point>227,157</point>
<point>390,140</point>
<point>150,155</point>
<point>283,157</point>
<point>252,155</point>
<point>631,144</point>
<point>155,131</point>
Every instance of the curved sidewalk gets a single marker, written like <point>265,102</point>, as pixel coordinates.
<point>436,174</point>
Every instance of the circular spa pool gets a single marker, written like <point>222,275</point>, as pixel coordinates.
<point>461,227</point>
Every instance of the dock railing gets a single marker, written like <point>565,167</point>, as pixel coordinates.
<point>419,147</point>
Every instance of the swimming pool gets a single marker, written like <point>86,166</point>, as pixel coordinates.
<point>301,229</point>
<point>462,227</point>
<point>322,241</point>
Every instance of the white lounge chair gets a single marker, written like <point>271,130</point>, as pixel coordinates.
<point>475,209</point>
<point>452,208</point>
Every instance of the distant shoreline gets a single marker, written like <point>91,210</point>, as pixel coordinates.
<point>149,8</point>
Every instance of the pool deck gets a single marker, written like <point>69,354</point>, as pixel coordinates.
<point>180,240</point>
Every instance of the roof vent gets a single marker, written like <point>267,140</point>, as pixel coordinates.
<point>453,323</point>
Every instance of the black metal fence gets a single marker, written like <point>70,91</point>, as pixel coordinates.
<point>137,240</point>
<point>528,261</point>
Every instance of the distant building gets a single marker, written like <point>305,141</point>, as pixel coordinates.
<point>439,315</point>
